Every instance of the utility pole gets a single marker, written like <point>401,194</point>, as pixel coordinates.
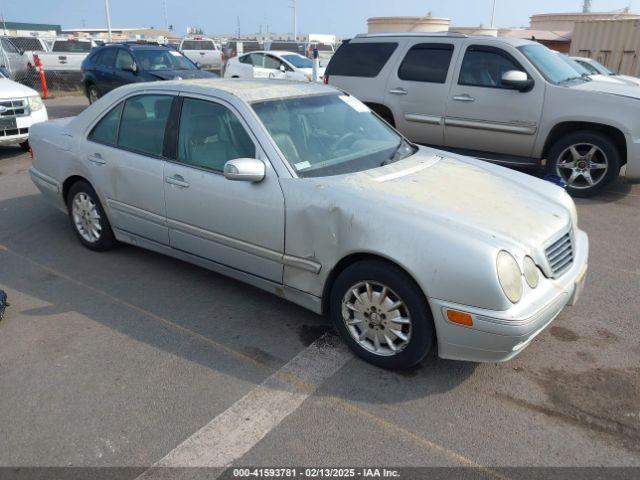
<point>106,9</point>
<point>493,13</point>
<point>586,6</point>
<point>166,17</point>
<point>295,27</point>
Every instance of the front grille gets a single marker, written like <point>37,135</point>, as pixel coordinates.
<point>13,131</point>
<point>560,254</point>
<point>14,108</point>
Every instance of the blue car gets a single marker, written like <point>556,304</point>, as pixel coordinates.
<point>113,65</point>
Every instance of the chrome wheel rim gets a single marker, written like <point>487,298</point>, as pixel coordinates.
<point>583,165</point>
<point>86,217</point>
<point>93,95</point>
<point>377,318</point>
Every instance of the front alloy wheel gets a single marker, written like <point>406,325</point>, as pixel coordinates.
<point>583,166</point>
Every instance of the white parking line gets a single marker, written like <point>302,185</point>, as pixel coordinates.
<point>235,431</point>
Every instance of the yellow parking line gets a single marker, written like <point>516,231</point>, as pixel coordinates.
<point>283,376</point>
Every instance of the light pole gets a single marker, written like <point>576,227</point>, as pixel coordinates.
<point>295,27</point>
<point>106,9</point>
<point>493,13</point>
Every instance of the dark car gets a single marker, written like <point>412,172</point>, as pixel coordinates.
<point>113,65</point>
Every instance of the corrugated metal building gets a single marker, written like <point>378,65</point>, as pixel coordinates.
<point>614,43</point>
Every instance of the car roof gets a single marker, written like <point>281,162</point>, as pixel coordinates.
<point>516,42</point>
<point>246,90</point>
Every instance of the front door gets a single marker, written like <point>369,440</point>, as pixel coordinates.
<point>234,223</point>
<point>417,91</point>
<point>124,157</point>
<point>484,115</point>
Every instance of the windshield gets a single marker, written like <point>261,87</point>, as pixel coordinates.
<point>604,70</point>
<point>549,64</point>
<point>298,61</point>
<point>330,135</point>
<point>162,59</point>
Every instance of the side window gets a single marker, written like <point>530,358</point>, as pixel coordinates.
<point>364,59</point>
<point>483,67</point>
<point>143,123</point>
<point>271,63</point>
<point>8,46</point>
<point>210,135</point>
<point>245,59</point>
<point>106,130</point>
<point>257,59</point>
<point>427,62</point>
<point>124,60</point>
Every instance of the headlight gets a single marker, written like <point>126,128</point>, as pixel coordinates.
<point>35,103</point>
<point>509,276</point>
<point>531,272</point>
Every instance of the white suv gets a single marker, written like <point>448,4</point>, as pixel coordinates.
<point>505,100</point>
<point>202,51</point>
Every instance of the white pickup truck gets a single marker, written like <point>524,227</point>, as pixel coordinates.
<point>66,55</point>
<point>202,51</point>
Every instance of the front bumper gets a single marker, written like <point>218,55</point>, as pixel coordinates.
<point>23,124</point>
<point>498,336</point>
<point>631,169</point>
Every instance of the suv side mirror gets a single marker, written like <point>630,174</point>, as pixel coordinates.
<point>245,169</point>
<point>133,68</point>
<point>517,80</point>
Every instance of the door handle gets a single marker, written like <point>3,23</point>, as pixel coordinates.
<point>464,98</point>
<point>96,158</point>
<point>398,91</point>
<point>178,181</point>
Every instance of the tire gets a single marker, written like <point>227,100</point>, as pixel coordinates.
<point>25,145</point>
<point>88,213</point>
<point>419,334</point>
<point>587,161</point>
<point>92,93</point>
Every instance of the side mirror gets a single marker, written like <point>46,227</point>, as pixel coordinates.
<point>198,65</point>
<point>283,68</point>
<point>245,170</point>
<point>517,80</point>
<point>133,68</point>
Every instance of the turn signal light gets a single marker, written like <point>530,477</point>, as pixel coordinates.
<point>460,318</point>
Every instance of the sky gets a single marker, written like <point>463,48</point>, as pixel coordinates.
<point>342,17</point>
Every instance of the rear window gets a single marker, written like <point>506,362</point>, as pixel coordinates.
<point>198,45</point>
<point>427,62</point>
<point>361,59</point>
<point>26,43</point>
<point>71,46</point>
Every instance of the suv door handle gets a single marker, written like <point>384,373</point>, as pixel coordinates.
<point>96,158</point>
<point>464,98</point>
<point>398,91</point>
<point>178,181</point>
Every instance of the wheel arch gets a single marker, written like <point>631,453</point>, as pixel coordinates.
<point>69,182</point>
<point>383,111</point>
<point>563,128</point>
<point>349,260</point>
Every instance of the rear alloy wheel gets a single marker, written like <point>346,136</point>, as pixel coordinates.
<point>92,93</point>
<point>382,314</point>
<point>88,218</point>
<point>587,162</point>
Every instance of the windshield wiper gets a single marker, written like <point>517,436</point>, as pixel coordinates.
<point>404,150</point>
<point>570,79</point>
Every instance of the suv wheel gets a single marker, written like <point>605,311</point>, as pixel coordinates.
<point>382,314</point>
<point>92,93</point>
<point>88,218</point>
<point>586,161</point>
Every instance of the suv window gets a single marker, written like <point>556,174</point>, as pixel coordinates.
<point>484,66</point>
<point>361,59</point>
<point>106,58</point>
<point>427,62</point>
<point>124,60</point>
<point>210,135</point>
<point>106,130</point>
<point>71,46</point>
<point>143,123</point>
<point>198,45</point>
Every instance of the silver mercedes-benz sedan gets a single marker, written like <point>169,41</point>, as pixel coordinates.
<point>299,189</point>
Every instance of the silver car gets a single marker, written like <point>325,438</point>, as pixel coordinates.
<point>299,189</point>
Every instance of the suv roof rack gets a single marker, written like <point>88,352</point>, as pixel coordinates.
<point>413,34</point>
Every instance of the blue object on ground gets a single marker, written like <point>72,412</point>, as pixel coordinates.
<point>3,303</point>
<point>553,178</point>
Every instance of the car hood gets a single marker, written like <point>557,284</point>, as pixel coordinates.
<point>622,89</point>
<point>476,196</point>
<point>180,74</point>
<point>628,79</point>
<point>11,89</point>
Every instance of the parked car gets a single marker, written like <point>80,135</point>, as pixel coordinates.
<point>118,64</point>
<point>587,73</point>
<point>273,65</point>
<point>203,51</point>
<point>505,100</point>
<point>302,191</point>
<point>66,55</point>
<point>20,108</point>
<point>596,68</point>
<point>13,60</point>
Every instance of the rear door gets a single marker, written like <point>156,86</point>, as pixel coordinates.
<point>418,87</point>
<point>123,69</point>
<point>103,70</point>
<point>486,116</point>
